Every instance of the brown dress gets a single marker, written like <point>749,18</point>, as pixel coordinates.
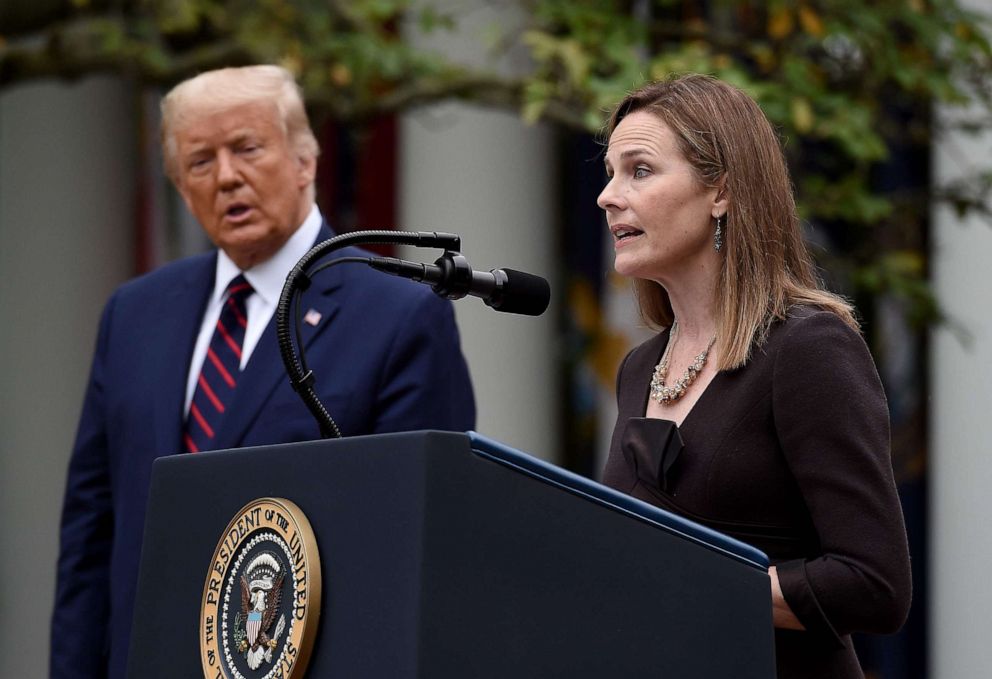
<point>790,454</point>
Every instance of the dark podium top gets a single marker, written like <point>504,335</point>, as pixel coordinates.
<point>451,555</point>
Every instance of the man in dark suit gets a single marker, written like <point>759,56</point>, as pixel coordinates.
<point>186,361</point>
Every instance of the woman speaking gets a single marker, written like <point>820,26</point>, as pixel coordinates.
<point>756,409</point>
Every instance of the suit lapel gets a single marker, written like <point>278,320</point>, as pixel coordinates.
<point>265,370</point>
<point>179,319</point>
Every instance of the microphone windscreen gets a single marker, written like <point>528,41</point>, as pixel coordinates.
<point>524,293</point>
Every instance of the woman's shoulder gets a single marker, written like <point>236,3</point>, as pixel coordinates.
<point>810,340</point>
<point>805,324</point>
<point>807,334</point>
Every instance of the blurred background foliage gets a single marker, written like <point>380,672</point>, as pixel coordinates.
<point>850,85</point>
<point>859,91</point>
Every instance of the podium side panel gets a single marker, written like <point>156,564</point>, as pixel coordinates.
<point>524,579</point>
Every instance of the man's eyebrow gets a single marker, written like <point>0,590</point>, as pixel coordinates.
<point>195,149</point>
<point>242,136</point>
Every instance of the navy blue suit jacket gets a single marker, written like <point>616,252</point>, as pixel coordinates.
<point>385,355</point>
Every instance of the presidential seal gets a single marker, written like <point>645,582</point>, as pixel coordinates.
<point>261,598</point>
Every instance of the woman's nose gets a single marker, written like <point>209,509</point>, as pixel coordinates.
<point>609,197</point>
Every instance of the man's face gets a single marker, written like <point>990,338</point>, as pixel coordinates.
<point>242,181</point>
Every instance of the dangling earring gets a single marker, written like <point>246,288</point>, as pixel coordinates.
<point>718,236</point>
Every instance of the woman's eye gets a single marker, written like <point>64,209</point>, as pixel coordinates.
<point>640,172</point>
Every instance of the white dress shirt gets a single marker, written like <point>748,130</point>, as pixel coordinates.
<point>267,279</point>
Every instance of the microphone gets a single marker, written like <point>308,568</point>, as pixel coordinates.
<point>452,277</point>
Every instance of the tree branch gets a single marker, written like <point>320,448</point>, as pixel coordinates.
<point>106,45</point>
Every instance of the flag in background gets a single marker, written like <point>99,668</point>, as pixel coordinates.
<point>357,178</point>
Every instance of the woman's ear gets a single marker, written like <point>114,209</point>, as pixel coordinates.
<point>721,201</point>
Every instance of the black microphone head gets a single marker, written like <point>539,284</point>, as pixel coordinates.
<point>523,293</point>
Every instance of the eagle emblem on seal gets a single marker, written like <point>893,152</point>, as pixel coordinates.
<point>261,592</point>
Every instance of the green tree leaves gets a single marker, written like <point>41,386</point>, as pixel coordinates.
<point>844,81</point>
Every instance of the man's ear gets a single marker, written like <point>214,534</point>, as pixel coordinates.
<point>185,195</point>
<point>307,171</point>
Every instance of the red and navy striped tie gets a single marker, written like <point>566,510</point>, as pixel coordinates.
<point>221,369</point>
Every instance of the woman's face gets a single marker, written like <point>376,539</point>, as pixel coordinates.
<point>659,213</point>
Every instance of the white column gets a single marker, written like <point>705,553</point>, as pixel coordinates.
<point>961,433</point>
<point>490,178</point>
<point>66,203</point>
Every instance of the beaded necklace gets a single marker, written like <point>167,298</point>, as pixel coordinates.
<point>665,395</point>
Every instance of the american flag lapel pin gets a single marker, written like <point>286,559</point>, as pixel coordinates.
<point>312,317</point>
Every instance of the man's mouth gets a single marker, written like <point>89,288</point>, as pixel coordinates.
<point>237,210</point>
